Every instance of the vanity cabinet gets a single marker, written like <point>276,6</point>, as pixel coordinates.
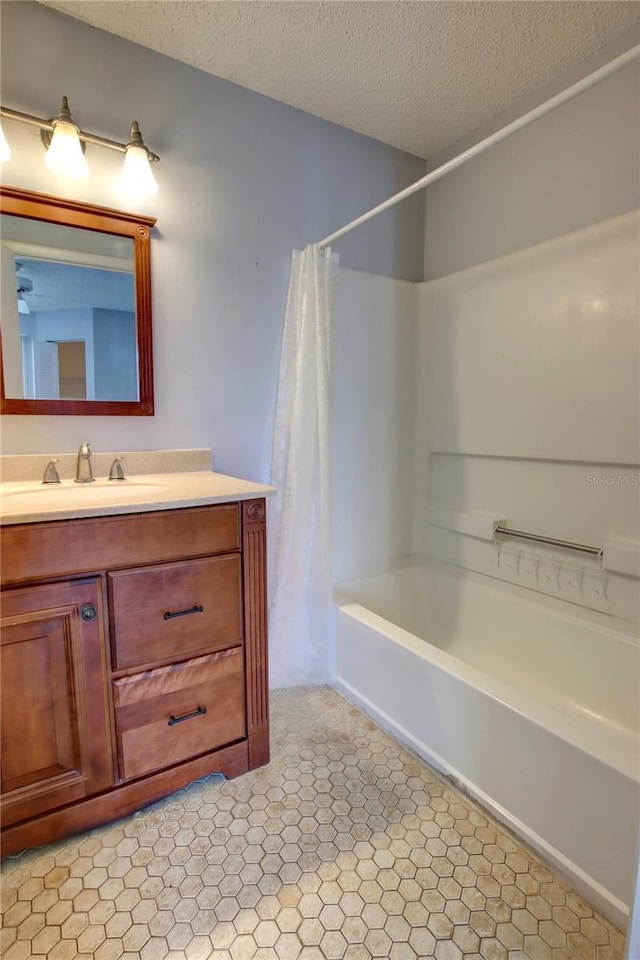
<point>133,661</point>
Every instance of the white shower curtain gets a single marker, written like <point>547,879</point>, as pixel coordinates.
<point>300,607</point>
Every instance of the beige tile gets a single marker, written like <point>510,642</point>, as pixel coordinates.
<point>524,921</point>
<point>579,945</point>
<point>447,950</point>
<point>492,949</point>
<point>466,938</point>
<point>31,926</point>
<point>482,923</point>
<point>536,948</point>
<point>594,931</point>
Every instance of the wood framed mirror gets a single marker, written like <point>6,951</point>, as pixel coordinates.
<point>75,323</point>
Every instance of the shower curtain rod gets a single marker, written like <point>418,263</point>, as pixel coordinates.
<point>489,141</point>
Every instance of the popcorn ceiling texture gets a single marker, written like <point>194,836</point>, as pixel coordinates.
<point>416,75</point>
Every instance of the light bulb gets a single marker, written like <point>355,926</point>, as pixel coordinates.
<point>65,152</point>
<point>5,149</point>
<point>137,177</point>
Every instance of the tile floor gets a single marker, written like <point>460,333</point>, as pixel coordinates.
<point>345,846</point>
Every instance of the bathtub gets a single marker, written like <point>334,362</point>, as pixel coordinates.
<point>531,703</point>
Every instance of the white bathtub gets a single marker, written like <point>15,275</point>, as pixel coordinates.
<point>532,703</point>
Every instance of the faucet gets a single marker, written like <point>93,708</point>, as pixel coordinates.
<point>51,472</point>
<point>116,472</point>
<point>84,473</point>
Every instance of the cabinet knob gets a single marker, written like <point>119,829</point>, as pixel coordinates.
<point>88,612</point>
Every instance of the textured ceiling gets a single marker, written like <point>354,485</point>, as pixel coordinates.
<point>417,75</point>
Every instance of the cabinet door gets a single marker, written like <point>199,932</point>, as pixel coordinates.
<point>55,732</point>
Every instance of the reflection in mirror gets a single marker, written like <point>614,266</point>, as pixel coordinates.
<point>70,313</point>
<point>75,315</point>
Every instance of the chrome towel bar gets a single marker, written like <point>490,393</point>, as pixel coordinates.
<point>548,541</point>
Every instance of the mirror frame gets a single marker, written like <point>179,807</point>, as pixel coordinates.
<point>17,202</point>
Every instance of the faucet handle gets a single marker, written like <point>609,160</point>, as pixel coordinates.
<point>116,472</point>
<point>51,472</point>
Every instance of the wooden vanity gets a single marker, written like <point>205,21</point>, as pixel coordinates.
<point>134,660</point>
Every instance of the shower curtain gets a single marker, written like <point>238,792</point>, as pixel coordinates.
<point>300,607</point>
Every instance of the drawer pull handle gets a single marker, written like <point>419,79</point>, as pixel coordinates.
<point>196,608</point>
<point>188,716</point>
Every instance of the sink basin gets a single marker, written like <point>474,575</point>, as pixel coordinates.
<point>81,493</point>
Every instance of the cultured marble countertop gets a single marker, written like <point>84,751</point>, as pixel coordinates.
<point>34,502</point>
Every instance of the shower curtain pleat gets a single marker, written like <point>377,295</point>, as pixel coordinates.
<point>300,607</point>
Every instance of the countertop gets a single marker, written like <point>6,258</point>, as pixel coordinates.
<point>34,502</point>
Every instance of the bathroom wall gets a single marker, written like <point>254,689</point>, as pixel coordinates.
<point>575,166</point>
<point>243,180</point>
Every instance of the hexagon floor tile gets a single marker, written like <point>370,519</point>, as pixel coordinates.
<point>345,846</point>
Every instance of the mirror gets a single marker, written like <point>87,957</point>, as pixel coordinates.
<point>76,308</point>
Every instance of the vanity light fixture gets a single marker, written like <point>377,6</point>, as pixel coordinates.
<point>137,177</point>
<point>66,143</point>
<point>65,153</point>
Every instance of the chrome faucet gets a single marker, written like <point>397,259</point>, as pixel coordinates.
<point>51,472</point>
<point>116,472</point>
<point>84,473</point>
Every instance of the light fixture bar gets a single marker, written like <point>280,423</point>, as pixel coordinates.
<point>47,125</point>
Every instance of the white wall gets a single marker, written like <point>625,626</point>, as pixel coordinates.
<point>243,180</point>
<point>528,405</point>
<point>372,422</point>
<point>575,166</point>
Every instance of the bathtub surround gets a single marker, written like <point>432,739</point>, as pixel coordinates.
<point>346,847</point>
<point>527,393</point>
<point>373,445</point>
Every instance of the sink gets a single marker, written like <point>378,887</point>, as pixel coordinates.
<point>69,493</point>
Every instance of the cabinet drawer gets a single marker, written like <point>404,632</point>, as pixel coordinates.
<point>175,610</point>
<point>173,713</point>
<point>35,551</point>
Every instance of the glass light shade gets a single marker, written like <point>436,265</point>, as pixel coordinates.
<point>137,177</point>
<point>5,149</point>
<point>65,151</point>
<point>23,306</point>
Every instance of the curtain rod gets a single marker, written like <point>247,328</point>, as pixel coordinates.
<point>489,141</point>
